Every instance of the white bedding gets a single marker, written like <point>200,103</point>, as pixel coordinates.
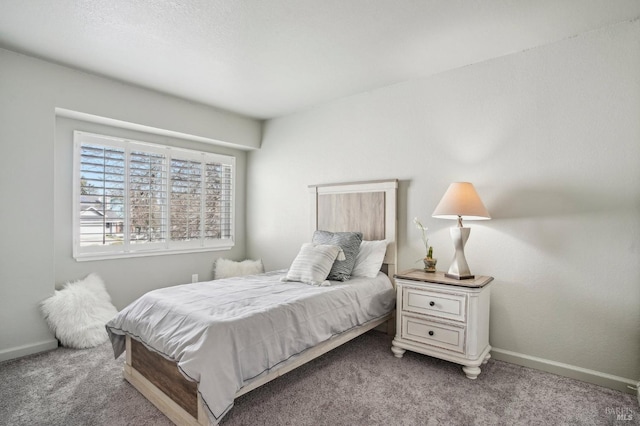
<point>226,333</point>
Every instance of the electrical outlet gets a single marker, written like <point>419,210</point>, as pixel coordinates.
<point>194,278</point>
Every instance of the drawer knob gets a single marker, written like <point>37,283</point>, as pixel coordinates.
<point>432,303</point>
<point>430,332</point>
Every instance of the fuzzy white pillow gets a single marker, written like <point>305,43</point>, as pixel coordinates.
<point>225,268</point>
<point>77,314</point>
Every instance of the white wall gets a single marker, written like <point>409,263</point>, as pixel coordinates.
<point>31,260</point>
<point>551,139</point>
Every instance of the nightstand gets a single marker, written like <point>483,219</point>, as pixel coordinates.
<point>444,318</point>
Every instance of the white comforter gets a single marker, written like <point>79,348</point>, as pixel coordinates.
<point>226,333</point>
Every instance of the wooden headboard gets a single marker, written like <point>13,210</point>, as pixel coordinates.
<point>367,207</point>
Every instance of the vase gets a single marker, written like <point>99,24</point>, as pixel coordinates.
<point>430,264</point>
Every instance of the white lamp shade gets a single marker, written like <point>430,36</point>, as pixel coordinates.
<point>461,200</point>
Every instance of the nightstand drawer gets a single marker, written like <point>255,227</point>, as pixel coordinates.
<point>434,334</point>
<point>444,305</point>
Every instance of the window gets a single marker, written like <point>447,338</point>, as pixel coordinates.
<point>135,198</point>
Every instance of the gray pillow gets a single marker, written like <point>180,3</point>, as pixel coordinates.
<point>350,244</point>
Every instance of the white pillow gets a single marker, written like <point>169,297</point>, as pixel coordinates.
<point>369,259</point>
<point>313,264</point>
<point>225,268</point>
<point>77,314</point>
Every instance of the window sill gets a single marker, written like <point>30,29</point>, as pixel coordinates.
<point>88,257</point>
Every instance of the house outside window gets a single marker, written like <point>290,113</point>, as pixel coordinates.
<point>134,198</point>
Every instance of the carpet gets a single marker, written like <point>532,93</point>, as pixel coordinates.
<point>359,383</point>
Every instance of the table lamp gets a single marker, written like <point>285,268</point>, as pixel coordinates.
<point>461,201</point>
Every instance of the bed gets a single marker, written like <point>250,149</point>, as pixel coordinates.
<point>237,357</point>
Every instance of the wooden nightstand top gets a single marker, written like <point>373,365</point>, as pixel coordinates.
<point>439,278</point>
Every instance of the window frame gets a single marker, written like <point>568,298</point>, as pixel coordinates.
<point>167,247</point>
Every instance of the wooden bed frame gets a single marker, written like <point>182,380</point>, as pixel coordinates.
<point>368,207</point>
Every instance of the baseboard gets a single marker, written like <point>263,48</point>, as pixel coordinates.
<point>567,370</point>
<point>34,348</point>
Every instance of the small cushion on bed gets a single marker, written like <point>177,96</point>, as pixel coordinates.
<point>350,244</point>
<point>225,268</point>
<point>313,263</point>
<point>369,259</point>
<point>77,314</point>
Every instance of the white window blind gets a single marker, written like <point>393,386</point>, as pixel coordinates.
<point>218,200</point>
<point>147,197</point>
<point>186,199</point>
<point>134,198</point>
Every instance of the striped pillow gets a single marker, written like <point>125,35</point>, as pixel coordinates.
<point>350,244</point>
<point>313,263</point>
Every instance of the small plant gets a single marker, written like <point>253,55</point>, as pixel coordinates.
<point>429,261</point>
<point>424,229</point>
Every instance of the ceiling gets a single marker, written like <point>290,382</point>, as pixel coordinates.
<point>267,58</point>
